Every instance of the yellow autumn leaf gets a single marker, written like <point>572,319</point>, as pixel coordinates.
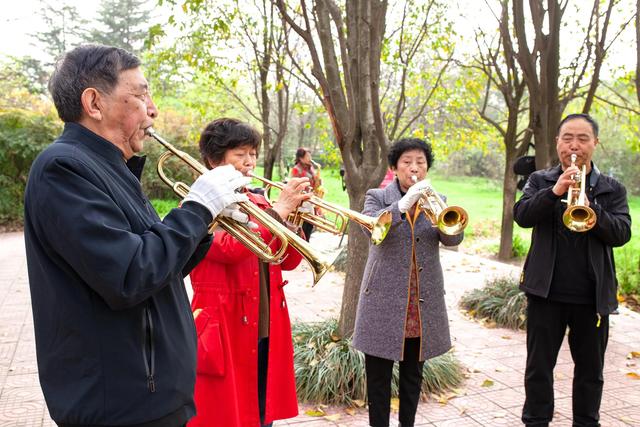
<point>633,375</point>
<point>620,298</point>
<point>334,417</point>
<point>633,354</point>
<point>350,411</point>
<point>359,403</point>
<point>315,412</point>
<point>395,404</point>
<point>487,383</point>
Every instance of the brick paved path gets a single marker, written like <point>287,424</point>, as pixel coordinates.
<point>497,354</point>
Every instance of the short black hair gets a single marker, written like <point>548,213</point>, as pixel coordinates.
<point>225,134</point>
<point>86,66</point>
<point>408,144</point>
<point>588,118</point>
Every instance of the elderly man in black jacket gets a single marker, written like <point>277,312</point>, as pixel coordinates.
<point>569,277</point>
<point>115,337</point>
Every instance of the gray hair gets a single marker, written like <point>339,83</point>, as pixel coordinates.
<point>86,66</point>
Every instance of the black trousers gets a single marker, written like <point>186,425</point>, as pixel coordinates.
<point>307,227</point>
<point>263,363</point>
<point>379,374</point>
<point>547,322</point>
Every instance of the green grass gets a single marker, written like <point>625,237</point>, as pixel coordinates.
<point>482,199</point>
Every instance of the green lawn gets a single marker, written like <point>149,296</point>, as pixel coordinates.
<point>482,199</point>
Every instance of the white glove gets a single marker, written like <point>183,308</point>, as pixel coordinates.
<point>215,189</point>
<point>306,207</point>
<point>413,195</point>
<point>233,211</point>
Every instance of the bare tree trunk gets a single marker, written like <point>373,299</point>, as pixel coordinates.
<point>358,250</point>
<point>509,183</point>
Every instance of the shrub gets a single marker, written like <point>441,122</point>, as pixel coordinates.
<point>628,271</point>
<point>329,370</point>
<point>499,301</point>
<point>23,135</point>
<point>520,247</point>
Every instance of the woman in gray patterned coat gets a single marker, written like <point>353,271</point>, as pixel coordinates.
<point>401,312</point>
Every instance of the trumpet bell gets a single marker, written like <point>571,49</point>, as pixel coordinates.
<point>378,227</point>
<point>453,220</point>
<point>579,218</point>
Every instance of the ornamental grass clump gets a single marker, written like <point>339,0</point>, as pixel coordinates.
<point>330,371</point>
<point>499,301</point>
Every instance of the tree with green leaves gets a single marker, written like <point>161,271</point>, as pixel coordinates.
<point>249,63</point>
<point>122,23</point>
<point>345,44</point>
<point>551,84</point>
<point>63,28</point>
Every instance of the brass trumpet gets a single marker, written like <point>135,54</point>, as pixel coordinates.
<point>578,216</point>
<point>243,234</point>
<point>450,220</point>
<point>378,226</point>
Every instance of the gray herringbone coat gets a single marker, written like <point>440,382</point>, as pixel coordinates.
<point>384,292</point>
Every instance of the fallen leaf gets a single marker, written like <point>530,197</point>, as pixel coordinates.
<point>395,404</point>
<point>463,411</point>
<point>633,354</point>
<point>350,411</point>
<point>359,403</point>
<point>505,337</point>
<point>334,417</point>
<point>487,383</point>
<point>316,412</point>
<point>633,375</point>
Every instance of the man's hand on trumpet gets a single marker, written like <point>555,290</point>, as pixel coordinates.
<point>216,190</point>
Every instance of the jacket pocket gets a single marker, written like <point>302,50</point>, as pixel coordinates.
<point>368,282</point>
<point>210,350</point>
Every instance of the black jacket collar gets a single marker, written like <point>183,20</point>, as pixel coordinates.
<point>102,147</point>
<point>552,174</point>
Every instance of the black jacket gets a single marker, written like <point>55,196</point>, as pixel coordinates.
<point>608,199</point>
<point>115,337</point>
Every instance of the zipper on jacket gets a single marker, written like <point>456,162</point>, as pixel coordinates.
<point>149,362</point>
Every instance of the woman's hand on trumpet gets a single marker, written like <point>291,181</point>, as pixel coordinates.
<point>413,195</point>
<point>291,196</point>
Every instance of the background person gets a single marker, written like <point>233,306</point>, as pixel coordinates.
<point>245,353</point>
<point>570,277</point>
<point>401,311</point>
<point>115,340</point>
<point>304,168</point>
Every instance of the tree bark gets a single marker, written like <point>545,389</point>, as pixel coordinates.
<point>348,88</point>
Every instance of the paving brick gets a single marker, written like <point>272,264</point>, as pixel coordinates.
<point>496,354</point>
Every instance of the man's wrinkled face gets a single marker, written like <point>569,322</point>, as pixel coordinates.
<point>576,136</point>
<point>128,111</point>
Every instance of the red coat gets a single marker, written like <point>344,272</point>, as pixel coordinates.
<point>226,288</point>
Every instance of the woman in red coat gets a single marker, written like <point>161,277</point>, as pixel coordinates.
<point>245,374</point>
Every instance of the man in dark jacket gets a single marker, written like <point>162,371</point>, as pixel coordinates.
<point>569,277</point>
<point>115,338</point>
